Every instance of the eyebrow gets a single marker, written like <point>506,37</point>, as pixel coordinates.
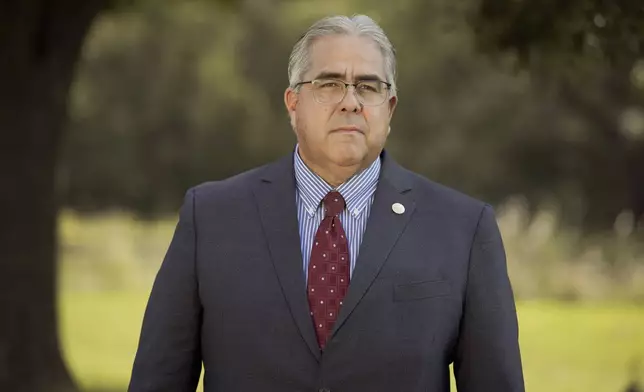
<point>337,75</point>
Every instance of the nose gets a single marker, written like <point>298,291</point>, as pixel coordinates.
<point>350,101</point>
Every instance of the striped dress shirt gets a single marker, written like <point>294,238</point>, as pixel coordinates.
<point>358,193</point>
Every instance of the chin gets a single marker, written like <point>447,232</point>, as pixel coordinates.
<point>348,156</point>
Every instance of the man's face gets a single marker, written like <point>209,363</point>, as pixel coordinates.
<point>345,133</point>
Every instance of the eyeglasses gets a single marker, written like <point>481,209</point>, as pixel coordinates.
<point>332,91</point>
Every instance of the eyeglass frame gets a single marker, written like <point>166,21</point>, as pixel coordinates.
<point>346,89</point>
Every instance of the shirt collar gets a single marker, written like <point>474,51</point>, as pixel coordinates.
<point>357,191</point>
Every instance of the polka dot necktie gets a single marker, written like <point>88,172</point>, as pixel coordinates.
<point>328,272</point>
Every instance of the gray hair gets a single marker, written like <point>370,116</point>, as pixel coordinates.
<point>360,25</point>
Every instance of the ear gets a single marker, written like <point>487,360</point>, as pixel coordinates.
<point>290,99</point>
<point>393,101</point>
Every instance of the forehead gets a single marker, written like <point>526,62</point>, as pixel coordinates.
<point>346,55</point>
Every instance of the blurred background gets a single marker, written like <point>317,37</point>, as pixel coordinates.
<point>111,110</point>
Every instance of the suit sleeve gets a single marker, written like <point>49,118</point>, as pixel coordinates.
<point>487,356</point>
<point>168,356</point>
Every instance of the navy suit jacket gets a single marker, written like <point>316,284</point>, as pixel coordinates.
<point>430,288</point>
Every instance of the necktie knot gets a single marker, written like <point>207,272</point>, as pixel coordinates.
<point>333,203</point>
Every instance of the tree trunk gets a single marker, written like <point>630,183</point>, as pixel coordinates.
<point>40,42</point>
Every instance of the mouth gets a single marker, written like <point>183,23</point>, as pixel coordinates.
<point>349,129</point>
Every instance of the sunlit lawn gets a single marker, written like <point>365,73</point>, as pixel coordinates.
<point>109,261</point>
<point>566,348</point>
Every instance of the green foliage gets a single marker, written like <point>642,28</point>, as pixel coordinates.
<point>593,29</point>
<point>158,105</point>
<point>170,95</point>
<point>585,55</point>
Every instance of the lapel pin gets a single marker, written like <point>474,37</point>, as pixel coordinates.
<point>398,208</point>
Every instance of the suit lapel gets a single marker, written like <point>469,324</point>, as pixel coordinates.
<point>384,227</point>
<point>275,197</point>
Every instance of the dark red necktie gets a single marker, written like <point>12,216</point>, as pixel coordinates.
<point>328,272</point>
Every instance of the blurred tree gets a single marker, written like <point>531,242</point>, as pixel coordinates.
<point>178,94</point>
<point>40,44</point>
<point>454,104</point>
<point>169,96</point>
<point>587,57</point>
<point>40,41</point>
<point>156,107</point>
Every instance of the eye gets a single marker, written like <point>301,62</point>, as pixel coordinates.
<point>372,87</point>
<point>329,84</point>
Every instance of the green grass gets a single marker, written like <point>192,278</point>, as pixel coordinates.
<point>108,262</point>
<point>577,347</point>
<point>100,334</point>
<point>565,347</point>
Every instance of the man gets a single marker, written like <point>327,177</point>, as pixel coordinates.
<point>333,269</point>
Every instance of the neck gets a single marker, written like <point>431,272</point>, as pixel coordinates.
<point>332,174</point>
<point>337,175</point>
